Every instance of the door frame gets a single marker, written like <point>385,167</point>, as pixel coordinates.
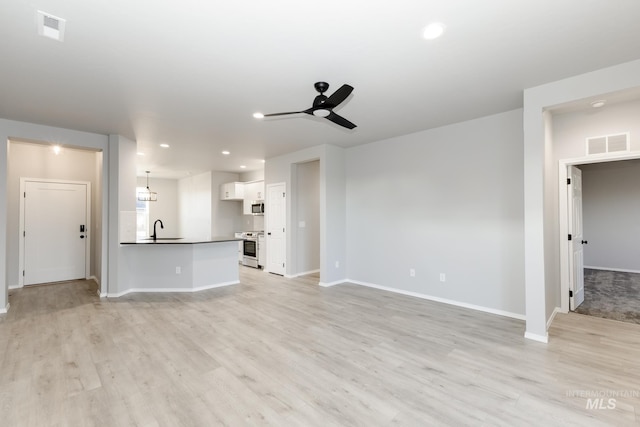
<point>563,214</point>
<point>87,257</point>
<point>266,224</point>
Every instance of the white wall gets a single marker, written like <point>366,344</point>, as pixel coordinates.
<point>202,214</point>
<point>611,212</point>
<point>194,206</point>
<point>165,208</point>
<point>30,160</point>
<point>226,215</point>
<point>122,198</point>
<point>257,175</point>
<point>308,217</point>
<point>446,200</point>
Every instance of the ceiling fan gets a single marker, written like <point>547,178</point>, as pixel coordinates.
<point>323,106</point>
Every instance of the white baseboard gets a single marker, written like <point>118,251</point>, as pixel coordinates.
<point>535,337</point>
<point>5,310</point>
<point>621,270</point>
<point>441,300</point>
<point>15,287</point>
<point>167,290</point>
<point>553,316</point>
<point>304,273</point>
<point>329,284</point>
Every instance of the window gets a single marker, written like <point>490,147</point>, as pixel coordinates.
<point>142,221</point>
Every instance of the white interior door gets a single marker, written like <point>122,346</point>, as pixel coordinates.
<point>55,231</point>
<point>576,258</point>
<point>276,215</point>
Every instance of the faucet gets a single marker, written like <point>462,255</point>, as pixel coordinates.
<point>155,235</point>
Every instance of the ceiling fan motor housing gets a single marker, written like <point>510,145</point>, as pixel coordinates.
<point>321,87</point>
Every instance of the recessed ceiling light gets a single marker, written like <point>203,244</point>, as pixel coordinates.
<point>433,30</point>
<point>140,153</point>
<point>226,153</point>
<point>164,145</point>
<point>263,161</point>
<point>57,149</point>
<point>242,166</point>
<point>258,115</point>
<point>599,103</point>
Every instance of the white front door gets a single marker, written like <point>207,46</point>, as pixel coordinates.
<point>576,257</point>
<point>55,231</point>
<point>276,216</point>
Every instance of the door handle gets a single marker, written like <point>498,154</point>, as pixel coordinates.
<point>584,242</point>
<point>268,234</point>
<point>82,236</point>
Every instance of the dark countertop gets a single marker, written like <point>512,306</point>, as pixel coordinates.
<point>181,241</point>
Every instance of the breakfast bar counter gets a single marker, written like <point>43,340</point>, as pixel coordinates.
<point>178,265</point>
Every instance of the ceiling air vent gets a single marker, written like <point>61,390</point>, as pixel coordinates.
<point>608,144</point>
<point>50,26</point>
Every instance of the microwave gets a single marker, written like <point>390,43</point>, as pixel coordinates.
<point>257,208</point>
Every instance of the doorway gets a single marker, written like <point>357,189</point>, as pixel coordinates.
<point>54,223</point>
<point>568,280</point>
<point>611,204</point>
<point>306,219</point>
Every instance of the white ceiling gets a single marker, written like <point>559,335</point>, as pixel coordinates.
<point>191,73</point>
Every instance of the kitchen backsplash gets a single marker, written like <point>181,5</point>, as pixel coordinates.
<point>252,223</point>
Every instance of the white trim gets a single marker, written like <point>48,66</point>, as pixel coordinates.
<point>338,282</point>
<point>563,195</point>
<point>304,273</point>
<point>621,270</point>
<point>15,287</point>
<point>535,337</point>
<point>441,300</point>
<point>553,316</point>
<point>5,310</point>
<point>287,276</point>
<point>168,290</point>
<point>88,233</point>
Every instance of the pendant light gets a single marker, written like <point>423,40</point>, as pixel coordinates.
<point>148,195</point>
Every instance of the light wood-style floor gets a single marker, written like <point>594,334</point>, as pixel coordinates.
<point>273,351</point>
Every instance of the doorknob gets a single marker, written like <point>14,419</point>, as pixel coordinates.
<point>82,236</point>
<point>268,234</point>
<point>584,242</point>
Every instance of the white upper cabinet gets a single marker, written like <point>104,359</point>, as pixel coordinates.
<point>232,191</point>
<point>253,192</point>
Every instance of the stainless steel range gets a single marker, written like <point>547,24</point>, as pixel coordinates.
<point>250,248</point>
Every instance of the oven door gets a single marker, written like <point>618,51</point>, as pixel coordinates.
<point>250,252</point>
<point>250,248</point>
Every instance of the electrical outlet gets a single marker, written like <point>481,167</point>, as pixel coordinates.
<point>337,264</point>
<point>443,277</point>
<point>178,270</point>
<point>412,272</point>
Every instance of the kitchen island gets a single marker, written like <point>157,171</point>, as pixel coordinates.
<point>178,265</point>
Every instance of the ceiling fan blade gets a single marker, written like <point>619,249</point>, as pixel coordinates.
<point>339,120</point>
<point>339,95</point>
<point>284,114</point>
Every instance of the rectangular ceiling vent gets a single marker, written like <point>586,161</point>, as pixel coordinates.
<point>50,26</point>
<point>608,144</point>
